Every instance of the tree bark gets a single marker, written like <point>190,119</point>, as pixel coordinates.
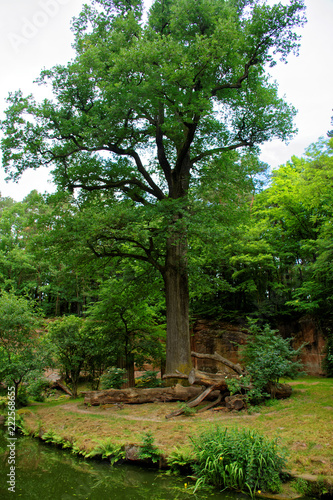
<point>211,405</point>
<point>175,376</point>
<point>127,363</point>
<point>178,347</point>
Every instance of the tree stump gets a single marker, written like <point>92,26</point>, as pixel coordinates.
<point>235,402</point>
<point>280,391</point>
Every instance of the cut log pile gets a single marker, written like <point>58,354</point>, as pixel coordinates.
<point>203,385</point>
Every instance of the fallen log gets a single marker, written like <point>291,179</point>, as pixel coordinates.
<point>193,403</point>
<point>208,379</point>
<point>175,375</point>
<point>217,357</point>
<point>59,384</point>
<point>211,405</point>
<point>139,396</point>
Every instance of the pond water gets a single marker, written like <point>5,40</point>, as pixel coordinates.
<point>43,472</point>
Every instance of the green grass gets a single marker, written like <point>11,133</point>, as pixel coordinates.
<point>302,423</point>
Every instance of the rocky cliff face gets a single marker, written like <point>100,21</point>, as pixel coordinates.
<point>306,330</point>
<point>209,336</point>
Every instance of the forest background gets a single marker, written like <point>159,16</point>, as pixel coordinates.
<point>254,249</point>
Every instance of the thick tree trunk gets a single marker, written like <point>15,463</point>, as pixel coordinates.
<point>178,348</point>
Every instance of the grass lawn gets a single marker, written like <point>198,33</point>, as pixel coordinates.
<point>303,424</point>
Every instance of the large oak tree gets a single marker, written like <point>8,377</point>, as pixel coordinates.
<point>146,104</point>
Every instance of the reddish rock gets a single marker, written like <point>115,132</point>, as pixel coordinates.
<point>209,336</point>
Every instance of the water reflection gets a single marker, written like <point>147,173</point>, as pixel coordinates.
<point>46,473</point>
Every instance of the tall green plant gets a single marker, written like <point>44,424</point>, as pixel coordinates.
<point>238,459</point>
<point>128,315</point>
<point>148,450</point>
<point>268,357</point>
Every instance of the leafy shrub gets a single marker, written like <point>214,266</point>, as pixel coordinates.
<point>268,357</point>
<point>20,425</point>
<point>311,489</point>
<point>113,378</point>
<point>37,389</point>
<point>148,451</point>
<point>107,449</point>
<point>242,460</point>
<point>51,437</point>
<point>148,379</point>
<point>238,385</point>
<point>181,460</point>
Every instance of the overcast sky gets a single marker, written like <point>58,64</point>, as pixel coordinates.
<point>35,34</point>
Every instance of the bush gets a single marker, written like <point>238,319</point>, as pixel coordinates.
<point>181,460</point>
<point>148,451</point>
<point>148,379</point>
<point>3,402</point>
<point>113,378</point>
<point>241,460</point>
<point>268,357</point>
<point>37,389</point>
<point>108,449</point>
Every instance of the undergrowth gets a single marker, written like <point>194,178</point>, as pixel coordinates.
<point>238,459</point>
<point>107,449</point>
<point>148,451</point>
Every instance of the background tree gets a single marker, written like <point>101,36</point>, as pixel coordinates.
<point>21,348</point>
<point>275,262</point>
<point>70,343</point>
<point>220,212</point>
<point>145,106</point>
<point>20,270</point>
<point>295,213</point>
<point>128,316</point>
<point>35,260</point>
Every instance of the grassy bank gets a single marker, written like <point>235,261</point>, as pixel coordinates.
<point>303,424</point>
